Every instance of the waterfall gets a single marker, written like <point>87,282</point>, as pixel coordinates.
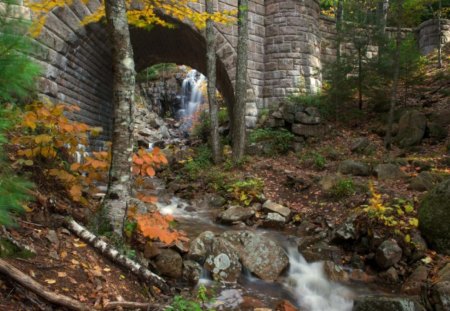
<point>191,94</point>
<point>309,285</point>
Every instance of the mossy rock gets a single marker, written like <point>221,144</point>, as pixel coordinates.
<point>434,217</point>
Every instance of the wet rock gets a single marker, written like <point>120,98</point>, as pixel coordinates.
<point>389,171</point>
<point>259,254</point>
<point>285,306</point>
<point>434,217</point>
<point>192,271</point>
<point>411,129</point>
<point>323,251</point>
<point>358,275</point>
<point>250,303</point>
<point>169,263</point>
<point>388,254</point>
<point>217,201</point>
<point>386,303</point>
<point>390,276</point>
<point>200,247</point>
<point>335,272</point>
<point>413,284</point>
<point>425,181</point>
<point>276,208</point>
<point>350,167</point>
<point>223,261</point>
<point>235,214</point>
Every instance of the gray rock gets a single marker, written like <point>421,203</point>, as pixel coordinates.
<point>274,220</point>
<point>434,217</point>
<point>350,167</point>
<point>386,303</point>
<point>323,251</point>
<point>200,247</point>
<point>235,214</point>
<point>359,145</point>
<point>191,271</point>
<point>223,262</point>
<point>304,118</point>
<point>411,129</point>
<point>276,208</point>
<point>389,171</point>
<point>308,130</point>
<point>260,255</point>
<point>388,254</point>
<point>425,181</point>
<point>440,291</point>
<point>347,230</point>
<point>328,182</point>
<point>390,276</point>
<point>335,272</point>
<point>52,237</point>
<point>169,263</point>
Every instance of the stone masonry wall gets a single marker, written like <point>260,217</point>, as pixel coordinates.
<point>429,37</point>
<point>292,49</point>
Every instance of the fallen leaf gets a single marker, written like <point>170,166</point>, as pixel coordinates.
<point>50,281</point>
<point>62,274</point>
<point>75,262</point>
<point>106,269</point>
<point>79,245</point>
<point>63,254</point>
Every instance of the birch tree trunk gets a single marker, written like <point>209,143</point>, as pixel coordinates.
<point>439,35</point>
<point>238,130</point>
<point>119,190</point>
<point>212,77</point>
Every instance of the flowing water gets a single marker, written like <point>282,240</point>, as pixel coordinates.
<point>191,96</point>
<point>304,284</point>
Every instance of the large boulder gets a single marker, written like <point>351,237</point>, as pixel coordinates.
<point>259,254</point>
<point>440,291</point>
<point>411,128</point>
<point>200,247</point>
<point>350,167</point>
<point>169,263</point>
<point>434,217</point>
<point>425,181</point>
<point>388,254</point>
<point>386,303</point>
<point>223,261</point>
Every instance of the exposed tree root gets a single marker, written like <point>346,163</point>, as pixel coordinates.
<point>131,305</point>
<point>114,255</point>
<point>38,289</point>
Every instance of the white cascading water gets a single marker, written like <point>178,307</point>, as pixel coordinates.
<point>309,285</point>
<point>191,93</point>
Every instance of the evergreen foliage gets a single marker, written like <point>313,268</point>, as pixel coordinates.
<point>17,72</point>
<point>17,80</point>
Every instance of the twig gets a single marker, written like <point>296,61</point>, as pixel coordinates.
<point>16,243</point>
<point>40,290</point>
<point>131,305</point>
<point>30,223</point>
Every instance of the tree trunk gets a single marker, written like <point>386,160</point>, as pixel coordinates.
<point>382,12</point>
<point>360,78</point>
<point>439,35</point>
<point>212,76</point>
<point>119,190</point>
<point>338,75</point>
<point>388,138</point>
<point>238,130</point>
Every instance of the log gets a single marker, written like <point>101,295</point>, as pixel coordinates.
<point>110,252</point>
<point>27,282</point>
<point>131,305</point>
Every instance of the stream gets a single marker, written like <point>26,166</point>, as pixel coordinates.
<point>304,284</point>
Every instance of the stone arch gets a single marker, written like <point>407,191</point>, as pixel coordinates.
<point>77,59</point>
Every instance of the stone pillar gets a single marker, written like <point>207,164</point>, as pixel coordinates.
<point>428,35</point>
<point>292,49</point>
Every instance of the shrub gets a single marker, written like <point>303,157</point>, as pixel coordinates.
<point>246,191</point>
<point>314,158</point>
<point>279,141</point>
<point>343,188</point>
<point>201,161</point>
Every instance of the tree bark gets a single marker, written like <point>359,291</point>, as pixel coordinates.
<point>39,289</point>
<point>212,77</point>
<point>388,138</point>
<point>114,255</point>
<point>119,190</point>
<point>338,75</point>
<point>439,35</point>
<point>238,130</point>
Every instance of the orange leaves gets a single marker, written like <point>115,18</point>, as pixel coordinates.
<point>145,162</point>
<point>156,226</point>
<point>147,199</point>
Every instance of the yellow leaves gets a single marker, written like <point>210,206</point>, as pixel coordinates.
<point>156,226</point>
<point>75,192</point>
<point>50,281</point>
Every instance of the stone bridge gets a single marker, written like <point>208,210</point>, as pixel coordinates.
<point>288,41</point>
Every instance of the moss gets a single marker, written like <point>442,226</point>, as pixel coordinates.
<point>434,217</point>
